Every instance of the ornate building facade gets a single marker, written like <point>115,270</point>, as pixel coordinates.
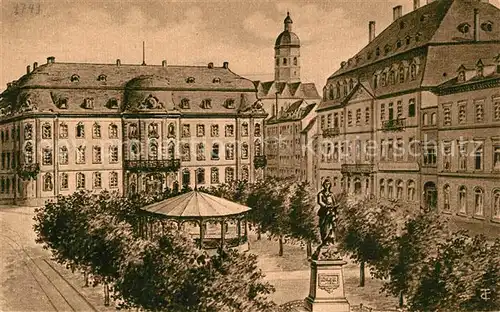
<point>126,128</point>
<point>382,118</point>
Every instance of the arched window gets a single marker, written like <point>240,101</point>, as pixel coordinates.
<point>47,182</point>
<point>446,198</point>
<point>331,93</point>
<point>244,129</point>
<point>113,131</point>
<point>462,200</point>
<point>80,130</point>
<point>96,131</point>
<point>46,131</point>
<point>63,155</point>
<point>244,150</point>
<point>153,130</point>
<point>171,150</point>
<point>200,176</point>
<point>413,71</point>
<point>382,188</point>
<point>337,90</point>
<point>200,152</point>
<point>214,175</point>
<point>295,61</point>
<point>392,77</point>
<point>425,119</point>
<point>113,180</point>
<point>433,119</point>
<point>80,154</point>
<point>186,152</point>
<point>46,156</point>
<point>64,181</point>
<point>478,201</point>
<point>258,148</point>
<point>134,151</point>
<point>411,190</point>
<point>399,189</point>
<point>171,130</point>
<point>257,130</point>
<point>244,173</point>
<point>186,177</point>
<point>495,202</point>
<point>229,174</point>
<point>401,74</point>
<point>390,189</point>
<point>153,150</point>
<point>28,131</point>
<point>28,153</point>
<point>229,151</point>
<point>80,180</point>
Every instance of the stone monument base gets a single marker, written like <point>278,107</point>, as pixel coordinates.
<point>326,292</point>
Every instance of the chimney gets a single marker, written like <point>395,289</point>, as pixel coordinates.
<point>164,63</point>
<point>416,4</point>
<point>397,12</point>
<point>211,65</point>
<point>476,24</point>
<point>28,69</point>
<point>51,59</point>
<point>118,62</point>
<point>35,65</point>
<point>225,65</point>
<point>371,29</point>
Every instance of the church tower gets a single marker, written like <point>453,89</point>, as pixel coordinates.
<point>287,54</point>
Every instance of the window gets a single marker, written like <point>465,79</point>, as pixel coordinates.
<point>425,119</point>
<point>413,71</point>
<point>408,40</point>
<point>28,131</point>
<point>200,152</point>
<point>430,154</point>
<point>47,156</point>
<point>375,81</point>
<point>391,111</point>
<point>382,188</point>
<point>399,149</point>
<point>200,176</point>
<point>97,180</point>
<point>284,61</point>
<point>244,129</point>
<point>349,118</point>
<point>63,155</point>
<point>258,148</point>
<point>461,76</point>
<point>190,79</point>
<point>101,77</point>
<point>185,152</point>
<point>229,151</point>
<point>399,109</point>
<point>80,180</point>
<point>496,204</point>
<point>171,130</point>
<point>96,131</point>
<point>377,51</point>
<point>462,155</point>
<point>411,190</point>
<point>244,150</point>
<point>80,130</point>
<point>46,131</point>
<point>229,103</point>
<point>229,130</point>
<point>383,79</point>
<point>153,130</point>
<point>337,90</point>
<point>134,151</point>
<point>215,151</point>
<point>295,61</point>
<point>358,116</point>
<point>382,111</point>
<point>478,156</point>
<point>113,154</point>
<point>229,173</point>
<point>186,177</point>
<point>96,155</point>
<point>399,189</point>
<point>367,115</point>
<point>331,93</point>
<point>382,149</point>
<point>401,74</point>
<point>462,114</point>
<point>462,200</point>
<point>433,119</point>
<point>214,130</point>
<point>88,103</point>
<point>171,150</point>
<point>447,114</point>
<point>113,180</point>
<point>478,202</point>
<point>411,108</point>
<point>244,173</point>
<point>28,153</point>
<point>153,151</point>
<point>479,112</point>
<point>113,131</point>
<point>214,175</point>
<point>184,103</point>
<point>47,182</point>
<point>392,77</point>
<point>341,119</point>
<point>322,122</point>
<point>496,107</point>
<point>64,181</point>
<point>206,104</point>
<point>75,78</point>
<point>446,198</point>
<point>80,155</point>
<point>447,156</point>
<point>496,157</point>
<point>390,149</point>
<point>200,130</point>
<point>257,130</point>
<point>186,131</point>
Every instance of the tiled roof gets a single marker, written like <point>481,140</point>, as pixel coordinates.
<point>297,111</point>
<point>297,90</point>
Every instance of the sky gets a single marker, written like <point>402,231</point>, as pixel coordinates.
<point>188,33</point>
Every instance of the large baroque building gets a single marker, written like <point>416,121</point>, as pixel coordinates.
<point>126,128</point>
<point>415,115</point>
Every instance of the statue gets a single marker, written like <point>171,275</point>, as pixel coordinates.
<point>327,214</point>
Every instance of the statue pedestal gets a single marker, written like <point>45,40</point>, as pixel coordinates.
<point>326,292</point>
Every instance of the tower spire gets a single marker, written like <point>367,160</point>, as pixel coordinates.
<point>288,22</point>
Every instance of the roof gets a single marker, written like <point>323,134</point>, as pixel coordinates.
<point>310,125</point>
<point>196,205</point>
<point>287,38</point>
<point>296,111</point>
<point>293,90</point>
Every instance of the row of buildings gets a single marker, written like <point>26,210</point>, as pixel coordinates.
<point>414,115</point>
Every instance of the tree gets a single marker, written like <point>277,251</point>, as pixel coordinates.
<point>302,215</point>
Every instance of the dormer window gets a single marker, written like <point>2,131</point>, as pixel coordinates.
<point>461,76</point>
<point>383,79</point>
<point>464,28</point>
<point>229,103</point>
<point>487,26</point>
<point>206,103</point>
<point>480,71</point>
<point>413,71</point>
<point>112,103</point>
<point>392,79</point>
<point>185,103</point>
<point>375,81</point>
<point>408,40</point>
<point>417,37</point>
<point>88,103</point>
<point>369,55</point>
<point>401,74</point>
<point>402,24</point>
<point>101,77</point>
<point>75,78</point>
<point>398,44</point>
<point>377,52</point>
<point>216,80</point>
<point>387,49</point>
<point>190,80</point>
<point>63,103</point>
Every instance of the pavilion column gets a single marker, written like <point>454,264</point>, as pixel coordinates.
<point>202,234</point>
<point>239,231</point>
<point>246,233</point>
<point>222,233</point>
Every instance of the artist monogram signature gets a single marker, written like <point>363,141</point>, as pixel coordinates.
<point>25,8</point>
